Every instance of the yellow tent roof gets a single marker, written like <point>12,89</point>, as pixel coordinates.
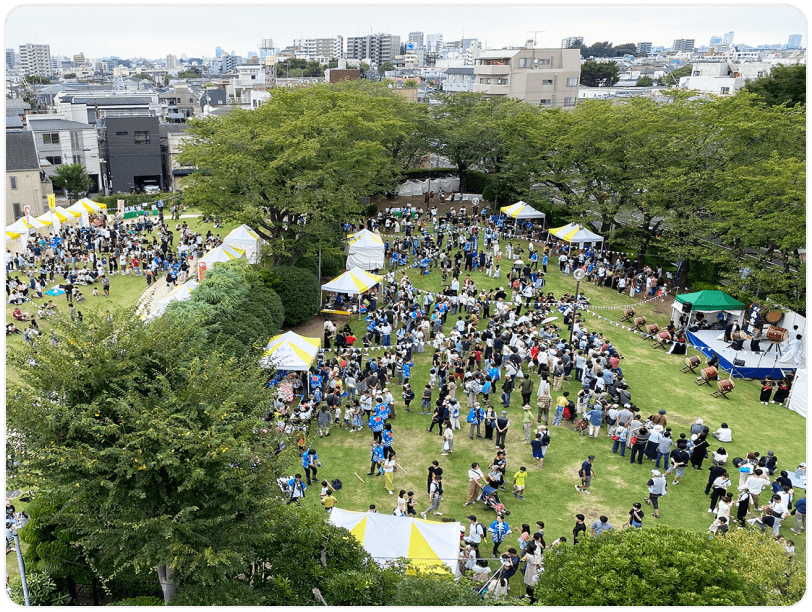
<point>522,210</point>
<point>353,281</point>
<point>290,351</point>
<point>574,232</point>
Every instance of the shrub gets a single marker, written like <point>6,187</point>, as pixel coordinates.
<point>332,264</point>
<point>42,590</point>
<point>299,290</point>
<point>131,199</point>
<point>231,593</point>
<point>141,600</point>
<point>475,182</point>
<point>372,209</point>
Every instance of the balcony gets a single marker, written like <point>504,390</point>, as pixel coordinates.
<point>487,70</point>
<point>491,90</point>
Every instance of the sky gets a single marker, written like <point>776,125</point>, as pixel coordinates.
<point>153,31</point>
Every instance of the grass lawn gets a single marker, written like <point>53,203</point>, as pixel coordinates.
<point>655,383</point>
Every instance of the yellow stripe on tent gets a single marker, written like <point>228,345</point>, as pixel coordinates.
<point>301,354</point>
<point>361,285</point>
<point>421,554</point>
<point>313,341</point>
<point>13,235</point>
<point>359,530</point>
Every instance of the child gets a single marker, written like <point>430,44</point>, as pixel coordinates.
<point>325,490</point>
<point>496,272</point>
<point>455,415</point>
<point>432,379</point>
<point>719,526</point>
<point>538,457</point>
<point>410,504</point>
<point>95,292</point>
<point>408,396</point>
<point>425,404</point>
<point>518,482</point>
<point>348,409</point>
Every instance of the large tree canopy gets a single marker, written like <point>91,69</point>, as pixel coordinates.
<point>599,74</point>
<point>299,163</point>
<point>784,85</point>
<point>153,441</point>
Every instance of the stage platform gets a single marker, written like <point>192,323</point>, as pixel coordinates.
<point>756,365</point>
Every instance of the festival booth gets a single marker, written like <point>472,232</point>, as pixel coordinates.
<point>797,395</point>
<point>14,242</point>
<point>353,282</point>
<point>84,207</point>
<point>221,254</point>
<point>55,218</point>
<point>771,359</point>
<point>366,251</point>
<point>522,211</point>
<point>248,240</point>
<point>385,537</point>
<point>290,352</point>
<point>178,294</point>
<point>418,188</point>
<point>577,236</point>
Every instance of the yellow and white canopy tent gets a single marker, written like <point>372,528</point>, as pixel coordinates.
<point>353,282</point>
<point>178,294</point>
<point>385,537</point>
<point>577,235</point>
<point>290,351</point>
<point>248,240</point>
<point>14,242</point>
<point>221,254</point>
<point>84,207</point>
<point>366,251</point>
<point>522,211</point>
<point>55,218</point>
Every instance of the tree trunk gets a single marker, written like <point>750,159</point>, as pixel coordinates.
<point>168,586</point>
<point>74,600</point>
<point>94,589</point>
<point>682,277</point>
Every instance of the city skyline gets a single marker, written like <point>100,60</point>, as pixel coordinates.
<point>156,32</point>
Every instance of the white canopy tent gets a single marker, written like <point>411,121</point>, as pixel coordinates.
<point>24,225</point>
<point>417,188</point>
<point>577,235</point>
<point>178,294</point>
<point>797,396</point>
<point>521,211</point>
<point>84,207</point>
<point>366,251</point>
<point>290,351</point>
<point>221,254</point>
<point>248,240</point>
<point>56,218</point>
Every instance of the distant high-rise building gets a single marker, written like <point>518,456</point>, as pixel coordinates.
<point>321,47</point>
<point>379,48</point>
<point>416,39</point>
<point>36,59</point>
<point>79,59</point>
<point>795,41</point>
<point>727,39</point>
<point>265,48</point>
<point>10,59</point>
<point>643,48</point>
<point>572,41</point>
<point>715,42</point>
<point>171,62</point>
<point>434,42</point>
<point>683,44</point>
<point>218,52</point>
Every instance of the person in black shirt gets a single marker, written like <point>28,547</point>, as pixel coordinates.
<point>580,527</point>
<point>434,470</point>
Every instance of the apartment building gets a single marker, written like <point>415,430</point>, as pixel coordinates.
<point>379,48</point>
<point>572,41</point>
<point>26,185</point>
<point>59,141</point>
<point>88,107</point>
<point>313,48</point>
<point>643,48</point>
<point>36,60</point>
<point>542,77</point>
<point>682,44</point>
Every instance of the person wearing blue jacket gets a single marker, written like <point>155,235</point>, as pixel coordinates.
<point>499,531</point>
<point>800,515</point>
<point>475,416</point>
<point>297,489</point>
<point>376,456</point>
<point>310,463</point>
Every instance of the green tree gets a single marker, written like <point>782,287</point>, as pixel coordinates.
<point>595,74</point>
<point>385,66</point>
<point>190,73</point>
<point>644,81</point>
<point>70,75</point>
<point>153,440</point>
<point>671,79</point>
<point>234,306</point>
<point>291,168</point>
<point>784,85</point>
<point>141,75</point>
<point>646,567</point>
<point>299,291</point>
<point>73,180</point>
<point>410,83</point>
<point>38,80</point>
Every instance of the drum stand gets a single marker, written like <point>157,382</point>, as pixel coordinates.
<point>704,381</point>
<point>776,346</point>
<point>626,318</point>
<point>687,368</point>
<point>721,393</point>
<point>660,344</point>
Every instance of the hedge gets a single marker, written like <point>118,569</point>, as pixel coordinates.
<point>299,290</point>
<point>132,199</point>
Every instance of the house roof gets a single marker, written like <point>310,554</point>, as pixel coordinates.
<point>47,125</point>
<point>498,53</point>
<point>13,121</point>
<point>20,151</point>
<point>17,104</point>
<point>466,70</point>
<point>110,101</point>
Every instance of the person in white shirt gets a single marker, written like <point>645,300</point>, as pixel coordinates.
<point>724,433</point>
<point>755,484</point>
<point>476,531</point>
<point>476,480</point>
<point>780,512</point>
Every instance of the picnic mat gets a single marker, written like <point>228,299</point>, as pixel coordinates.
<point>55,291</point>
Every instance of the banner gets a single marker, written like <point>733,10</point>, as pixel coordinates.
<point>120,206</point>
<point>201,271</point>
<point>51,201</point>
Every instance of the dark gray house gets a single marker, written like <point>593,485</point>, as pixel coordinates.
<point>132,148</point>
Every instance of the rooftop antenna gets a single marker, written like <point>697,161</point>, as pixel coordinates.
<point>535,35</point>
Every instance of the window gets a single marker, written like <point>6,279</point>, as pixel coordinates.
<point>725,90</point>
<point>54,160</point>
<point>545,101</point>
<point>523,62</point>
<point>253,77</point>
<point>546,81</point>
<point>77,159</point>
<point>695,73</point>
<point>484,81</point>
<point>122,133</point>
<point>18,210</point>
<point>542,62</point>
<point>13,182</point>
<point>141,137</point>
<point>50,138</point>
<point>569,101</point>
<point>572,82</point>
<point>501,81</point>
<point>74,140</point>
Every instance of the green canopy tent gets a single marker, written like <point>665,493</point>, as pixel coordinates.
<point>708,301</point>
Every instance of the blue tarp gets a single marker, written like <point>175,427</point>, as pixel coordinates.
<point>766,368</point>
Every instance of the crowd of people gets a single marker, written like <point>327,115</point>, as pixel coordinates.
<point>486,347</point>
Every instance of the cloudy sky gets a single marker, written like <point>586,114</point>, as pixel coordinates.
<point>153,31</point>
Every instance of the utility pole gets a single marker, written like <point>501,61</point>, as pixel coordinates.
<point>578,274</point>
<point>12,532</point>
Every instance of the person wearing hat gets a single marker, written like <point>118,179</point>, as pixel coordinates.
<point>586,473</point>
<point>657,487</point>
<point>659,418</point>
<point>527,422</point>
<point>502,424</point>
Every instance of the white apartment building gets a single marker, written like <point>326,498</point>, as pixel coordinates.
<point>36,60</point>
<point>312,48</point>
<point>59,141</point>
<point>379,48</point>
<point>542,77</point>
